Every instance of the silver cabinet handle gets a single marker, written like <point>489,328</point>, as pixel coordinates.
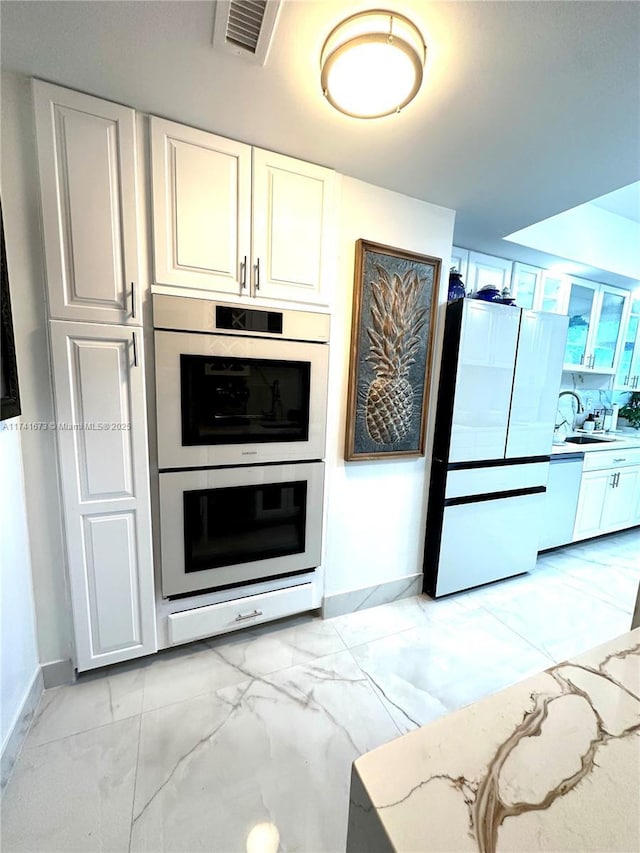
<point>258,274</point>
<point>582,359</point>
<point>240,617</point>
<point>613,481</point>
<point>617,479</point>
<point>626,380</point>
<point>133,300</point>
<point>135,349</point>
<point>243,274</point>
<point>635,381</point>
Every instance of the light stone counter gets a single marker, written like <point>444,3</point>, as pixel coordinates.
<point>552,764</point>
<point>627,440</point>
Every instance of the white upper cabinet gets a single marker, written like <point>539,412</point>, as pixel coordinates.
<point>87,163</point>
<point>104,469</point>
<point>460,262</point>
<point>525,284</point>
<point>628,373</point>
<point>485,270</point>
<point>201,208</point>
<point>231,219</point>
<point>293,228</point>
<point>553,293</point>
<point>596,316</point>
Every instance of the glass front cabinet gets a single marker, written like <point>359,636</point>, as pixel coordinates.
<point>596,317</point>
<point>628,373</point>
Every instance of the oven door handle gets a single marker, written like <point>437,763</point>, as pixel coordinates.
<point>240,617</point>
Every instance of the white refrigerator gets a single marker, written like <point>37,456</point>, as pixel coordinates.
<point>497,399</point>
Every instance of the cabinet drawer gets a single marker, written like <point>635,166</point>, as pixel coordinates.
<point>239,613</point>
<point>619,458</point>
<point>496,478</point>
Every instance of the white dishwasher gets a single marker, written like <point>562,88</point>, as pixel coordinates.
<point>561,500</point>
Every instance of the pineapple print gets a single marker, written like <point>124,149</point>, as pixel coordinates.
<point>394,335</point>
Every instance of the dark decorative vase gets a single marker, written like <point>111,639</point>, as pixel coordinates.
<point>456,286</point>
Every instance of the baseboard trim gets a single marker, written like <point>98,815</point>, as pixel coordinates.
<point>58,672</point>
<point>20,728</point>
<point>371,596</point>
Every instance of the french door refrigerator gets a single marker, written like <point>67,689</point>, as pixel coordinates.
<point>497,399</point>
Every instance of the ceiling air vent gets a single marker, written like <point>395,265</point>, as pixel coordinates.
<point>245,27</point>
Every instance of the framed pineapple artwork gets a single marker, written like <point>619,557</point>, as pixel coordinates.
<point>394,314</point>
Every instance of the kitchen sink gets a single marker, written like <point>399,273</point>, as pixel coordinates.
<point>587,439</point>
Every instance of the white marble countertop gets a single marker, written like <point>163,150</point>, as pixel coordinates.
<point>608,441</point>
<point>550,764</point>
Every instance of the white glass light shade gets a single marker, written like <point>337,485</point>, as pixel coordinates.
<point>372,64</point>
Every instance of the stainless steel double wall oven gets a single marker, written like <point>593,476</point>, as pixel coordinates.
<point>241,407</point>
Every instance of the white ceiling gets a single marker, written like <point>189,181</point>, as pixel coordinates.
<point>528,108</point>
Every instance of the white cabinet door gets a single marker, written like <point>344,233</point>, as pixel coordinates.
<point>619,506</point>
<point>525,282</point>
<point>201,208</point>
<point>628,373</point>
<point>483,381</point>
<point>486,269</point>
<point>104,469</point>
<point>293,228</point>
<point>87,163</point>
<point>553,293</point>
<point>460,262</point>
<point>536,383</point>
<point>607,338</point>
<point>594,489</point>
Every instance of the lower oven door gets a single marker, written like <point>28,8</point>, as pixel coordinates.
<point>231,526</point>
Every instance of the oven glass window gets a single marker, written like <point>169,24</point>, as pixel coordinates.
<point>242,401</point>
<point>241,524</point>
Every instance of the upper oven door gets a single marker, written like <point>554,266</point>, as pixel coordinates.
<point>229,400</point>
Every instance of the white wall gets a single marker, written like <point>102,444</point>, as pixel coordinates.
<point>21,213</point>
<point>376,509</point>
<point>18,655</point>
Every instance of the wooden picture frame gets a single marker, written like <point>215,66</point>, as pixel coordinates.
<point>9,392</point>
<point>395,302</point>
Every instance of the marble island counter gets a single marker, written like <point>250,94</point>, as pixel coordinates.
<point>550,764</point>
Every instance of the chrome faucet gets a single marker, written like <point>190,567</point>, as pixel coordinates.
<point>578,411</point>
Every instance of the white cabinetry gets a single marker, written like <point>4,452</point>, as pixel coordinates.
<point>99,391</point>
<point>609,496</point>
<point>525,284</point>
<point>87,164</point>
<point>596,314</point>
<point>460,262</point>
<point>628,373</point>
<point>232,219</point>
<point>487,269</point>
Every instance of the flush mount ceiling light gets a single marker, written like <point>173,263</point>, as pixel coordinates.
<point>371,64</point>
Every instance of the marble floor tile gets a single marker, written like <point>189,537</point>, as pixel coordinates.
<point>185,672</point>
<point>277,646</point>
<point>616,585</point>
<point>375,622</point>
<point>94,700</point>
<point>561,625</point>
<point>271,756</point>
<point>73,794</point>
<point>424,672</point>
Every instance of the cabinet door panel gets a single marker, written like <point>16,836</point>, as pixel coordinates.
<point>536,384</point>
<point>607,333</point>
<point>104,454</point>
<point>110,547</point>
<point>593,493</point>
<point>619,504</point>
<point>581,316</point>
<point>104,470</point>
<point>201,207</point>
<point>87,163</point>
<point>293,227</point>
<point>487,270</point>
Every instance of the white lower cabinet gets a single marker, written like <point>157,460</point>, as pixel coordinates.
<point>609,496</point>
<point>104,471</point>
